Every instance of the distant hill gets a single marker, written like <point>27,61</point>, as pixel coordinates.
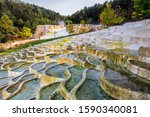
<point>25,14</point>
<point>91,14</point>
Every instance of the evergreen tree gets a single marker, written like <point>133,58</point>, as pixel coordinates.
<point>142,9</point>
<point>109,17</point>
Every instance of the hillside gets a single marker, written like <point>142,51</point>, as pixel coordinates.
<point>132,10</point>
<point>24,14</point>
<point>18,20</point>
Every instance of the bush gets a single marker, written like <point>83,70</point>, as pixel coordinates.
<point>26,33</point>
<point>2,48</point>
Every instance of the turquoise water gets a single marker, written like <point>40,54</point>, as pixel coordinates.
<point>15,86</point>
<point>57,96</point>
<point>57,71</point>
<point>4,81</point>
<point>82,56</point>
<point>91,90</point>
<point>50,64</point>
<point>38,66</point>
<point>94,60</point>
<point>72,55</point>
<point>47,91</point>
<point>28,90</point>
<point>129,81</point>
<point>22,67</point>
<point>76,73</point>
<point>17,78</point>
<point>15,65</point>
<point>3,73</point>
<point>55,56</point>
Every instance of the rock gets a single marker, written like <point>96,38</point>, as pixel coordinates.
<point>145,51</point>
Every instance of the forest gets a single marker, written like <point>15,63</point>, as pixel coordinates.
<point>131,10</point>
<point>19,19</point>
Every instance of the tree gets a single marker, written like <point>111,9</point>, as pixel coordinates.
<point>20,23</point>
<point>7,30</point>
<point>1,36</point>
<point>89,21</point>
<point>82,22</point>
<point>69,26</point>
<point>109,17</point>
<point>26,33</point>
<point>6,25</point>
<point>142,9</point>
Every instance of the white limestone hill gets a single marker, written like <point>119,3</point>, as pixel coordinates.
<point>130,35</point>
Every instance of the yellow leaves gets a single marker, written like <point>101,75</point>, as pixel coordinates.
<point>26,32</point>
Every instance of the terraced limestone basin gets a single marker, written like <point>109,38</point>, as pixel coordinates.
<point>28,90</point>
<point>12,65</point>
<point>57,71</point>
<point>4,81</point>
<point>140,68</point>
<point>18,84</point>
<point>16,64</point>
<point>15,79</point>
<point>3,73</point>
<point>91,89</point>
<point>72,55</point>
<point>94,60</point>
<point>38,66</point>
<point>22,67</point>
<point>76,76</point>
<point>55,56</point>
<point>57,96</point>
<point>83,56</point>
<point>46,66</point>
<point>61,69</point>
<point>122,84</point>
<point>46,92</point>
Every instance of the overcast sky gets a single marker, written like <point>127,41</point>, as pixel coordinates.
<point>64,7</point>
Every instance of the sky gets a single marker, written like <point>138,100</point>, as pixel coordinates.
<point>64,7</point>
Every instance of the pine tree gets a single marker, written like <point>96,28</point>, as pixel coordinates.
<point>109,17</point>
